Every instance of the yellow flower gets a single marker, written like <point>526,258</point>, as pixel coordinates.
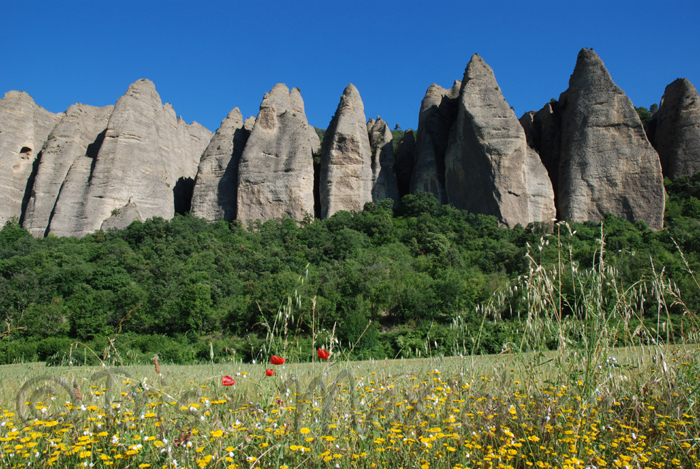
<point>144,465</point>
<point>304,431</point>
<point>217,433</point>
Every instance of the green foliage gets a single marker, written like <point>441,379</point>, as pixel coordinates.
<point>172,287</point>
<point>645,114</point>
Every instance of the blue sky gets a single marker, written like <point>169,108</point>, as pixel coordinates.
<point>209,57</point>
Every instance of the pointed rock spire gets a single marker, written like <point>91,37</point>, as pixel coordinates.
<point>216,185</point>
<point>677,136</point>
<point>346,158</point>
<point>384,184</point>
<point>489,167</point>
<point>438,112</point>
<point>149,159</point>
<point>607,164</point>
<point>276,175</point>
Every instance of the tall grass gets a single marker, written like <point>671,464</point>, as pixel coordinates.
<point>597,374</point>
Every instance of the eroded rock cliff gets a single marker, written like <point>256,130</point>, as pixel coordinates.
<point>216,185</point>
<point>147,155</point>
<point>677,134</point>
<point>276,175</point>
<point>24,127</point>
<point>381,140</point>
<point>489,167</point>
<point>346,158</point>
<point>607,164</point>
<point>438,112</point>
<point>79,133</point>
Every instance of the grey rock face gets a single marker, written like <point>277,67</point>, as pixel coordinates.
<point>79,133</point>
<point>276,175</point>
<point>438,113</point>
<point>346,178</point>
<point>147,155</point>
<point>122,217</point>
<point>216,185</point>
<point>489,167</point>
<point>607,164</point>
<point>24,127</point>
<point>677,135</point>
<point>543,131</point>
<point>405,160</point>
<point>70,205</point>
<point>384,184</point>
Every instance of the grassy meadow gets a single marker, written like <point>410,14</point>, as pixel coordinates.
<point>511,410</point>
<point>599,374</point>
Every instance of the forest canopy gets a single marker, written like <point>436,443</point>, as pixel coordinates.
<point>386,282</point>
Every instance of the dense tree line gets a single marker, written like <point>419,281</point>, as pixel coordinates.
<point>185,288</point>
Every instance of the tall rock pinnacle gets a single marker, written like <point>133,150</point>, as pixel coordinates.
<point>677,136</point>
<point>489,167</point>
<point>216,185</point>
<point>384,183</point>
<point>346,158</point>
<point>148,161</point>
<point>607,164</point>
<point>276,174</point>
<point>438,111</point>
<point>24,127</point>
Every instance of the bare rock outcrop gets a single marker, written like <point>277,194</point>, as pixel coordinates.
<point>405,160</point>
<point>79,133</point>
<point>677,133</point>
<point>438,112</point>
<point>381,140</point>
<point>346,158</point>
<point>607,164</point>
<point>148,155</point>
<point>489,167</point>
<point>70,205</point>
<point>216,185</point>
<point>276,175</point>
<point>24,126</point>
<point>543,132</point>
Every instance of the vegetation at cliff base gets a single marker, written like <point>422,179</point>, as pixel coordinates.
<point>412,282</point>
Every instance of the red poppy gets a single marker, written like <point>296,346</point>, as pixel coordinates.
<point>275,360</point>
<point>323,354</point>
<point>269,372</point>
<point>227,381</point>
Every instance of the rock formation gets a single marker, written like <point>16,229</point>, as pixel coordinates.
<point>607,164</point>
<point>438,112</point>
<point>24,127</point>
<point>147,155</point>
<point>216,185</point>
<point>346,158</point>
<point>677,133</point>
<point>70,206</point>
<point>543,132</point>
<point>79,133</point>
<point>276,175</point>
<point>489,167</point>
<point>381,140</point>
<point>405,160</point>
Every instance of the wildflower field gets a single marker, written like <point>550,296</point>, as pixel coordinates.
<point>598,374</point>
<point>638,410</point>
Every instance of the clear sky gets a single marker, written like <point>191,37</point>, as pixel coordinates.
<point>208,57</point>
